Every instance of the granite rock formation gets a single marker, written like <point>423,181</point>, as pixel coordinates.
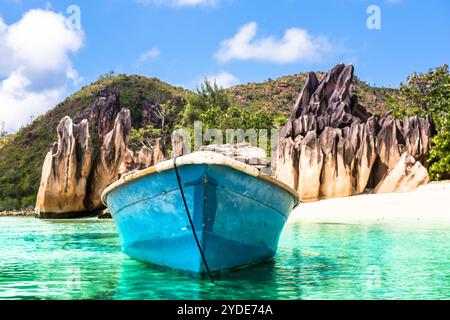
<point>144,158</point>
<point>406,176</point>
<point>152,113</point>
<point>159,152</point>
<point>332,147</point>
<point>66,170</point>
<point>102,113</point>
<point>72,181</point>
<point>112,154</point>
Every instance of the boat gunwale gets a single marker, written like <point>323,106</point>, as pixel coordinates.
<point>197,158</point>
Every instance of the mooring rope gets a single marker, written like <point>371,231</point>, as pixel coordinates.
<point>191,222</point>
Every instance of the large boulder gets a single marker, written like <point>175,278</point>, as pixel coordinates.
<point>112,154</point>
<point>416,132</point>
<point>406,176</point>
<point>310,166</point>
<point>363,144</point>
<point>147,157</point>
<point>387,148</point>
<point>287,163</point>
<point>336,180</point>
<point>65,171</point>
<point>129,163</point>
<point>159,152</point>
<point>332,147</point>
<point>144,158</point>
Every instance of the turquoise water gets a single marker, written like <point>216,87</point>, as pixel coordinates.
<point>82,260</point>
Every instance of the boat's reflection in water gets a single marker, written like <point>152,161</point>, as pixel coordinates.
<point>277,278</point>
<point>139,280</point>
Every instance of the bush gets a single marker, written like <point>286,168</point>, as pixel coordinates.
<point>211,118</point>
<point>440,153</point>
<point>208,96</point>
<point>428,95</point>
<point>280,121</point>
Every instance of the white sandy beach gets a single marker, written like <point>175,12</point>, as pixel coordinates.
<point>428,203</point>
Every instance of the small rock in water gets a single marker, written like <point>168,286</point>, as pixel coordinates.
<point>105,215</point>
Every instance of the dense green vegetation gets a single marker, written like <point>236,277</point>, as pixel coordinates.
<point>428,94</point>
<point>208,96</point>
<point>213,107</point>
<point>237,118</point>
<point>255,105</point>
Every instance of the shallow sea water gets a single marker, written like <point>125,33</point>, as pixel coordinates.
<point>81,259</point>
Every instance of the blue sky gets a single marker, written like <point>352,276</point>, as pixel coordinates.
<point>182,41</point>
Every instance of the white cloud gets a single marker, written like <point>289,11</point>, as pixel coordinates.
<point>223,79</point>
<point>17,105</point>
<point>152,53</point>
<point>181,3</point>
<point>296,45</point>
<point>35,65</point>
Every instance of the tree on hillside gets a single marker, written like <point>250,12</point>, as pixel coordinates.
<point>143,137</point>
<point>428,94</point>
<point>208,96</point>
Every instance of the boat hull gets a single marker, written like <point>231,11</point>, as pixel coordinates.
<point>238,217</point>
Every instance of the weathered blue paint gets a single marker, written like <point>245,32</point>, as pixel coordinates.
<point>238,217</point>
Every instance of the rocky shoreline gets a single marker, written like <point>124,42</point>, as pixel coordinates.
<point>19,213</point>
<point>104,215</point>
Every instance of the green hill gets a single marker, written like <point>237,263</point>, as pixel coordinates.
<point>279,94</point>
<point>22,154</point>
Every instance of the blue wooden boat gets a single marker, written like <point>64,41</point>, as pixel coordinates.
<point>237,212</point>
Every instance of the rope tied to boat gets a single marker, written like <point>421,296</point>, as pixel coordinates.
<point>191,222</point>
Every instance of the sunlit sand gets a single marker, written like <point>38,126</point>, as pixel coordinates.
<point>428,203</point>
